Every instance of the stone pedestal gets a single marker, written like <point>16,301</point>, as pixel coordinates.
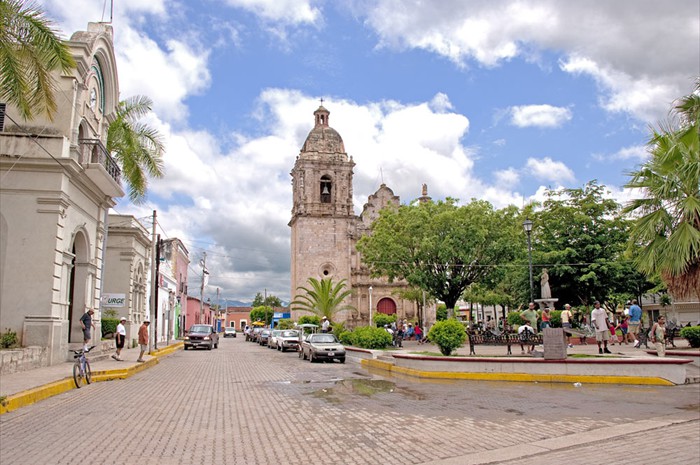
<point>554,344</point>
<point>49,332</point>
<point>542,303</point>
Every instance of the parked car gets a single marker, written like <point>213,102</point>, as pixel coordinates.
<point>272,343</point>
<point>252,336</point>
<point>288,340</point>
<point>264,337</point>
<point>229,331</point>
<point>202,336</point>
<point>322,346</point>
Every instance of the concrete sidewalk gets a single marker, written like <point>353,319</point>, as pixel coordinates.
<point>26,387</point>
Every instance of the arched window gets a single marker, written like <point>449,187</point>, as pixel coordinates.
<point>326,186</point>
<point>386,306</point>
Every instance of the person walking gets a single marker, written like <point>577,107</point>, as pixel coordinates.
<point>599,320</point>
<point>624,327</point>
<point>120,338</point>
<point>635,313</point>
<point>87,325</point>
<point>566,318</point>
<point>143,339</point>
<point>419,334</point>
<point>658,336</point>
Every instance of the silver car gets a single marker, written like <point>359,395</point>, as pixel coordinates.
<point>288,340</point>
<point>322,346</point>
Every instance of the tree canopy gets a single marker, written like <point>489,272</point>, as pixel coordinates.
<point>30,50</point>
<point>322,298</point>
<point>270,300</point>
<point>666,229</point>
<point>438,246</point>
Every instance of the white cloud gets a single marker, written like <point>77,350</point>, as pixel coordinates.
<point>285,11</point>
<point>625,45</point>
<point>635,152</point>
<point>549,170</point>
<point>507,177</point>
<point>546,116</point>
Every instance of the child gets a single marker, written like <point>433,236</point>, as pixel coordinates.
<point>613,334</point>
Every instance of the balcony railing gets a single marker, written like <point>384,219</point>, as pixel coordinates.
<point>92,151</point>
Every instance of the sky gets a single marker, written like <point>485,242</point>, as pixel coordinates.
<point>489,99</point>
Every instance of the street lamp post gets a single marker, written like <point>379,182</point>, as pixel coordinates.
<point>370,306</point>
<point>527,226</point>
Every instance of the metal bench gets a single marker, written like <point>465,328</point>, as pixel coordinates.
<point>494,338</point>
<point>671,334</point>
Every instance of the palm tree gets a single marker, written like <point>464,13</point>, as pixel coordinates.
<point>137,147</point>
<point>666,231</point>
<point>30,50</point>
<point>323,298</point>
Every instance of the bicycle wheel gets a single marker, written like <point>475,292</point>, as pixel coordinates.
<point>88,372</point>
<point>77,375</point>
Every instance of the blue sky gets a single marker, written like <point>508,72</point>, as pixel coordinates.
<point>496,100</point>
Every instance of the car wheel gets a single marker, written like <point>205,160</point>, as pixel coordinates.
<point>187,348</point>
<point>209,346</point>
<point>342,360</point>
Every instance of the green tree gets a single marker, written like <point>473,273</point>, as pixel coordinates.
<point>262,313</point>
<point>137,147</point>
<point>322,298</point>
<point>270,300</point>
<point>438,246</point>
<point>30,51</point>
<point>580,237</point>
<point>666,230</point>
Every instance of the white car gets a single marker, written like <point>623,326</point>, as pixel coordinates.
<point>229,332</point>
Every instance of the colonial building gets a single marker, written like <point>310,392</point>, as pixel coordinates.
<point>58,183</point>
<point>325,229</point>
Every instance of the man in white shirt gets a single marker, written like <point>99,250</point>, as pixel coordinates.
<point>527,334</point>
<point>120,338</point>
<point>599,320</point>
<point>325,325</point>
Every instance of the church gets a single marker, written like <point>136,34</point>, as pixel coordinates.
<point>325,229</point>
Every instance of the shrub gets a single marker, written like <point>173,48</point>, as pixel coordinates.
<point>310,320</point>
<point>441,312</point>
<point>346,338</point>
<point>285,323</point>
<point>109,326</point>
<point>555,318</point>
<point>448,335</point>
<point>381,319</point>
<point>514,319</point>
<point>8,339</point>
<point>370,338</point>
<point>338,329</point>
<point>692,335</point>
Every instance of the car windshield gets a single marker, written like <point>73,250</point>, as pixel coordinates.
<point>199,329</point>
<point>290,334</point>
<point>323,338</point>
<point>230,330</point>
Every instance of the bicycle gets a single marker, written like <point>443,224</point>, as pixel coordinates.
<point>81,368</point>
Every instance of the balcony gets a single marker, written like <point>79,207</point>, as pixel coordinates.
<point>100,167</point>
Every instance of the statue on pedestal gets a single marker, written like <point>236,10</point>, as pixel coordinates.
<point>546,292</point>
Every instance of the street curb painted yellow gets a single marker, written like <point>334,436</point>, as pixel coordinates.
<point>30,396</point>
<point>521,377</point>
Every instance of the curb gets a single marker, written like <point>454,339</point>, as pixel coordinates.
<point>517,377</point>
<point>31,396</point>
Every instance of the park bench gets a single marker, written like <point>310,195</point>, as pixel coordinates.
<point>496,338</point>
<point>671,334</point>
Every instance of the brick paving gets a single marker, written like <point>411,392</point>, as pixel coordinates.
<point>245,404</point>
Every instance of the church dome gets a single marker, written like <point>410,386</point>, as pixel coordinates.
<point>322,137</point>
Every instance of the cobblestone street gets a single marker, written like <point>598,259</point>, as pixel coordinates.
<point>245,404</point>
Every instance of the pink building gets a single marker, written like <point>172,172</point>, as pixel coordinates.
<point>238,317</point>
<point>192,313</point>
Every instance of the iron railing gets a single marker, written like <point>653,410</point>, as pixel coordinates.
<point>93,151</point>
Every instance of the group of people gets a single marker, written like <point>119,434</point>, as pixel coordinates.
<point>87,325</point>
<point>605,329</point>
<point>403,330</point>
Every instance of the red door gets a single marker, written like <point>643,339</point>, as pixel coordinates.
<point>386,306</point>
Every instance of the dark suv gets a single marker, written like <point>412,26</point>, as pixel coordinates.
<point>202,336</point>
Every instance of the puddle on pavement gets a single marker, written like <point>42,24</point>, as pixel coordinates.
<point>363,387</point>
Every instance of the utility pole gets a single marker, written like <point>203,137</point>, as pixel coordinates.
<point>154,284</point>
<point>218,310</point>
<point>203,263</point>
<point>155,319</point>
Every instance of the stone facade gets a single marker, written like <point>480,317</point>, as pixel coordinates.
<point>58,185</point>
<point>325,229</point>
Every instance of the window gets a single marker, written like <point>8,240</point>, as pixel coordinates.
<point>326,189</point>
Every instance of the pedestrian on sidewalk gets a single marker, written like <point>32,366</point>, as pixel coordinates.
<point>143,339</point>
<point>635,313</point>
<point>87,325</point>
<point>419,334</point>
<point>599,320</point>
<point>658,336</point>
<point>120,338</point>
<point>566,318</point>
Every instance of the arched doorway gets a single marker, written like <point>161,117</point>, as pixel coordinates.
<point>386,306</point>
<point>77,290</point>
